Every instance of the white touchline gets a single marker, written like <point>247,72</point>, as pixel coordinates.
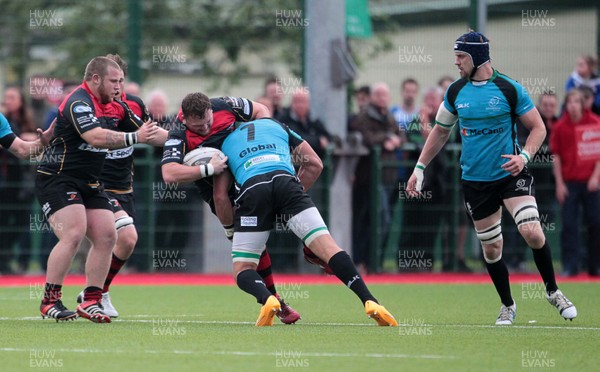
<point>157,316</point>
<point>240,353</point>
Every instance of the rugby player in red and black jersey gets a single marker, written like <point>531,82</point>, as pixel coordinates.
<point>117,177</point>
<point>210,130</point>
<point>69,189</point>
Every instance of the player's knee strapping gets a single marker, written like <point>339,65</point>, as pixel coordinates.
<point>122,222</point>
<point>526,213</point>
<point>491,234</point>
<point>248,246</point>
<point>308,225</point>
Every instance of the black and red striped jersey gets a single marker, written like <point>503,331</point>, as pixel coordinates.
<point>68,153</point>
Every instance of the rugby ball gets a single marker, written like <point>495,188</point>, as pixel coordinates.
<point>201,155</point>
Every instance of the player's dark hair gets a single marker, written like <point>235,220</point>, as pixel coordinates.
<point>117,58</point>
<point>195,104</point>
<point>98,66</point>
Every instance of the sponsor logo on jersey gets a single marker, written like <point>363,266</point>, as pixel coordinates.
<point>86,147</point>
<point>120,153</point>
<point>249,150</point>
<point>84,121</point>
<point>261,159</point>
<point>173,153</point>
<point>80,109</point>
<point>493,104</point>
<point>466,132</point>
<point>249,221</point>
<point>462,105</point>
<point>173,142</point>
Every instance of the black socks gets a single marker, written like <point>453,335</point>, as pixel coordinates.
<point>342,266</point>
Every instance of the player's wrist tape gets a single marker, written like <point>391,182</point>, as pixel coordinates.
<point>206,170</point>
<point>526,156</point>
<point>419,175</point>
<point>130,138</point>
<point>229,231</point>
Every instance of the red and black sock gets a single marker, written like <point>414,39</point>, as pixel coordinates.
<point>52,293</point>
<point>499,274</point>
<point>115,265</point>
<point>543,261</point>
<point>264,270</point>
<point>250,282</point>
<point>342,266</point>
<point>92,294</point>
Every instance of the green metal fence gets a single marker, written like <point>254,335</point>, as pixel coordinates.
<point>35,235</point>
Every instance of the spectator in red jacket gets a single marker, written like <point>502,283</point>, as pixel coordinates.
<point>577,184</point>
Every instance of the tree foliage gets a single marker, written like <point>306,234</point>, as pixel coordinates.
<point>214,36</point>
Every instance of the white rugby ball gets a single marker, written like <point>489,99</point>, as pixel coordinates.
<point>201,155</point>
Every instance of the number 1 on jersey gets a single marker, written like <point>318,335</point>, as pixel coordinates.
<point>250,128</point>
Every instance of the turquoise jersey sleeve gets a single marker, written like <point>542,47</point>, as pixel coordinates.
<point>524,102</point>
<point>4,127</point>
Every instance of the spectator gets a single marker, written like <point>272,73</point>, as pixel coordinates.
<point>585,75</point>
<point>16,185</point>
<point>362,96</point>
<point>445,82</point>
<point>274,93</point>
<point>298,118</point>
<point>588,97</point>
<point>67,87</point>
<point>132,88</point>
<point>158,104</point>
<point>405,114</point>
<point>378,128</point>
<point>408,110</point>
<point>43,93</point>
<point>576,186</point>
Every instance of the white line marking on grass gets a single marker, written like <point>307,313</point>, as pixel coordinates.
<point>154,317</point>
<point>510,326</point>
<point>242,353</point>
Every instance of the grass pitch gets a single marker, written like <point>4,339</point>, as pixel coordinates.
<point>202,328</point>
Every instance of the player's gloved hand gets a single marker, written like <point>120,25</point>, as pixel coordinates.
<point>228,232</point>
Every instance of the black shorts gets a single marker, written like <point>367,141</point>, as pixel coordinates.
<point>58,191</point>
<point>122,202</point>
<point>269,198</point>
<point>483,199</point>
